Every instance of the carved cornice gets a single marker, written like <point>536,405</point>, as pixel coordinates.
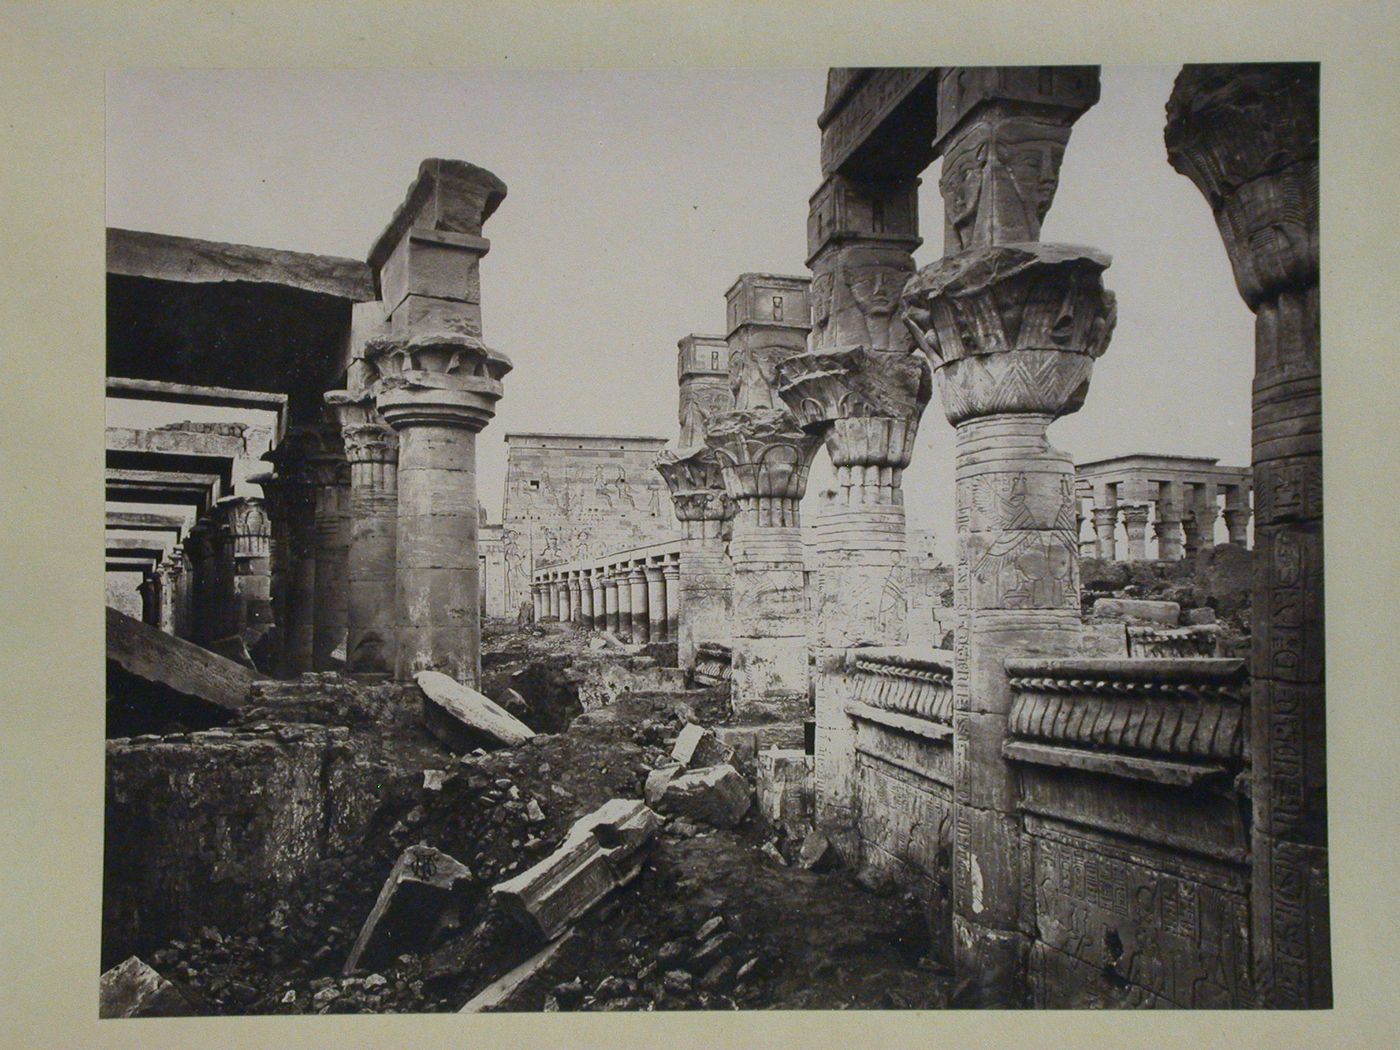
<point>443,379</point>
<point>1014,328</point>
<point>1247,136</point>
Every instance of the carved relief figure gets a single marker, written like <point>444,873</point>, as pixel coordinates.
<point>999,180</point>
<point>875,291</point>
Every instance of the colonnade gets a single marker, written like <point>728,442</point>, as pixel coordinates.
<point>1182,507</point>
<point>634,594</point>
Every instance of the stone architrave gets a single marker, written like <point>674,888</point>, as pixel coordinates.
<point>764,457</point>
<point>1015,330</point>
<point>372,450</point>
<point>1247,136</point>
<point>704,589</point>
<point>437,392</point>
<point>331,476</point>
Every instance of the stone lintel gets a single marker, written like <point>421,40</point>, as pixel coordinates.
<point>879,121</point>
<point>1063,93</point>
<point>189,394</point>
<point>161,257</point>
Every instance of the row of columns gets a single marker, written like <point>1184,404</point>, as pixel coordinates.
<point>1179,532</point>
<point>638,602</point>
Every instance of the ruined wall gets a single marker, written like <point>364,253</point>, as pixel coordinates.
<point>215,827</point>
<point>575,496</point>
<point>490,548</point>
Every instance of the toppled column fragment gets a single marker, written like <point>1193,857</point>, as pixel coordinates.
<point>601,853</point>
<point>785,787</point>
<point>697,746</point>
<point>421,886</point>
<point>133,989</point>
<point>719,796</point>
<point>460,717</point>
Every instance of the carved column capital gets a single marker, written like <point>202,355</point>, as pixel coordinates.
<point>442,379</point>
<point>1014,328</point>
<point>696,484</point>
<point>764,458</point>
<point>1247,136</point>
<point>250,527</point>
<point>367,438</point>
<point>823,391</point>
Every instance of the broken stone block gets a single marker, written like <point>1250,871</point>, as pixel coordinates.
<point>460,716</point>
<point>423,886</point>
<point>1137,609</point>
<point>718,796</point>
<point>817,853</point>
<point>133,989</point>
<point>1103,639</point>
<point>601,852</point>
<point>697,746</point>
<point>433,779</point>
<point>785,787</point>
<point>657,780</point>
<point>512,991</point>
<point>1201,616</point>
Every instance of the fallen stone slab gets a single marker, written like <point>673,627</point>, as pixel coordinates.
<point>134,989</point>
<point>423,886</point>
<point>658,779</point>
<point>697,746</point>
<point>601,852</point>
<point>817,852</point>
<point>461,717</point>
<point>748,740</point>
<point>1137,609</point>
<point>143,659</point>
<point>718,796</point>
<point>509,992</point>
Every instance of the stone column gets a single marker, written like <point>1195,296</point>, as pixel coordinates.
<point>764,457</point>
<point>1016,583</point>
<point>1205,511</point>
<point>1135,525</point>
<point>331,476</point>
<point>671,569</point>
<point>1237,514</point>
<point>196,546</point>
<point>656,603</point>
<point>585,597</point>
<point>561,589</point>
<point>437,386</point>
<point>372,450</point>
<point>1247,136</point>
<point>702,594</point>
<point>169,572</point>
<point>149,589</point>
<point>253,618</point>
<point>1170,533</point>
<point>599,621</point>
<point>641,617</point>
<point>575,598</point>
<point>610,606</point>
<point>438,392</point>
<point>624,604</point>
<point>1105,530</point>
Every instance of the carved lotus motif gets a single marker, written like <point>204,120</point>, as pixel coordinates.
<point>697,486</point>
<point>762,453</point>
<point>452,380</point>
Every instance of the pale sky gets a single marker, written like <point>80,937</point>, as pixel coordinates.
<point>636,198</point>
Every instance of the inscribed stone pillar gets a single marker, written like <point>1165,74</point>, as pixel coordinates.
<point>1170,534</point>
<point>1135,525</point>
<point>702,594</point>
<point>1014,330</point>
<point>372,450</point>
<point>624,603</point>
<point>656,603</point>
<point>331,476</point>
<point>612,614</point>
<point>764,457</point>
<point>1247,136</point>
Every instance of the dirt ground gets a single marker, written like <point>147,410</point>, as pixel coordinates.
<point>714,920</point>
